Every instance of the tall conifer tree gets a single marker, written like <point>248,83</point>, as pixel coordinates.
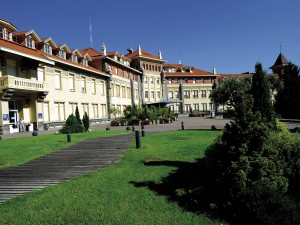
<point>261,94</point>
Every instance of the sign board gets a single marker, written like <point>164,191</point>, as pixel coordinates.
<point>40,116</point>
<point>5,117</point>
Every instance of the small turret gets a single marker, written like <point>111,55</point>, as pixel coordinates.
<point>139,50</point>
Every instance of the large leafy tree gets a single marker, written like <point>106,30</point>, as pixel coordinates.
<point>287,102</point>
<point>232,91</point>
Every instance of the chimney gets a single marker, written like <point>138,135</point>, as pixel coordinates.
<point>214,70</point>
<point>159,54</point>
<point>103,48</point>
<point>139,50</point>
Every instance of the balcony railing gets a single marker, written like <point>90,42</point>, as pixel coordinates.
<point>21,83</point>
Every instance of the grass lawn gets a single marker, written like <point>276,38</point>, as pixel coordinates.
<point>17,151</point>
<point>109,196</point>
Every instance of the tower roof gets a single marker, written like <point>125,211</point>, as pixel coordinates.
<point>280,61</point>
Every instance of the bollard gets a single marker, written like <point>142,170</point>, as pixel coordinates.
<point>143,133</point>
<point>69,137</point>
<point>182,126</point>
<point>137,139</point>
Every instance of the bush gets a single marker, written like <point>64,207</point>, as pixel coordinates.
<point>71,126</point>
<point>86,121</point>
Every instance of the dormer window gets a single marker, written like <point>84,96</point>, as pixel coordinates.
<point>30,42</point>
<point>2,33</point>
<point>74,58</point>
<point>62,54</point>
<point>85,62</point>
<point>47,48</point>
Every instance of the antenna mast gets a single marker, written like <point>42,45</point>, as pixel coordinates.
<point>91,33</point>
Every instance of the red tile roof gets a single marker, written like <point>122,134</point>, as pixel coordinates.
<point>92,52</point>
<point>143,55</point>
<point>16,48</point>
<point>177,68</point>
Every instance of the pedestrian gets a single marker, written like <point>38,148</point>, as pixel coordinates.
<point>22,125</point>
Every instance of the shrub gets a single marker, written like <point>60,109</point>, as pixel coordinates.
<point>86,121</point>
<point>71,126</point>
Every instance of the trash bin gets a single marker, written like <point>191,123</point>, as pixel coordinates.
<point>29,127</point>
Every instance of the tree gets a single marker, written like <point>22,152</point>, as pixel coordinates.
<point>77,115</point>
<point>232,91</point>
<point>115,111</point>
<point>260,91</point>
<point>86,121</point>
<point>287,101</point>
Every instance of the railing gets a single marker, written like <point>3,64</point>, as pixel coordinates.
<point>21,83</point>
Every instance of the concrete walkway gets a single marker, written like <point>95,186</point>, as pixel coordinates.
<point>75,160</point>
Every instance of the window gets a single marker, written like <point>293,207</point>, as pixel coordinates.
<point>57,80</point>
<point>210,80</point>
<point>102,88</point>
<point>71,82</point>
<point>195,93</point>
<point>59,111</point>
<point>177,107</point>
<point>211,106</point>
<point>83,84</point>
<point>128,93</point>
<point>136,93</point>
<point>151,80</point>
<point>123,92</point>
<point>103,110</point>
<point>187,107</point>
<point>194,80</point>
<point>175,81</point>
<point>146,80</point>
<point>209,93</point>
<point>196,107</point>
<point>72,108</point>
<point>185,81</point>
<point>202,80</point>
<point>116,71</point>
<point>203,94</point>
<point>74,58</point>
<point>62,54</point>
<point>146,94</point>
<point>30,42</point>
<point>172,108</point>
<point>170,81</point>
<point>85,62</point>
<point>118,91</point>
<point>204,106</point>
<point>158,95</point>
<point>46,111</point>
<point>47,48</point>
<point>40,74</point>
<point>94,112</point>
<point>170,94</point>
<point>186,94</point>
<point>157,80</point>
<point>84,108</point>
<point>112,90</point>
<point>2,33</point>
<point>93,86</point>
<point>152,94</point>
<point>176,94</point>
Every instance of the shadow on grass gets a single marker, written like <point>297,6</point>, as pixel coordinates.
<point>186,185</point>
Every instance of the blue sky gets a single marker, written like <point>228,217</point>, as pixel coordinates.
<point>231,35</point>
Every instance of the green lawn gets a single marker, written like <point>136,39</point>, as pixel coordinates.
<point>17,151</point>
<point>110,195</point>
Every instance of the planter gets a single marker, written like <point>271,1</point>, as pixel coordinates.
<point>115,123</point>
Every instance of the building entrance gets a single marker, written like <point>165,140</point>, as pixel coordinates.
<point>13,116</point>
